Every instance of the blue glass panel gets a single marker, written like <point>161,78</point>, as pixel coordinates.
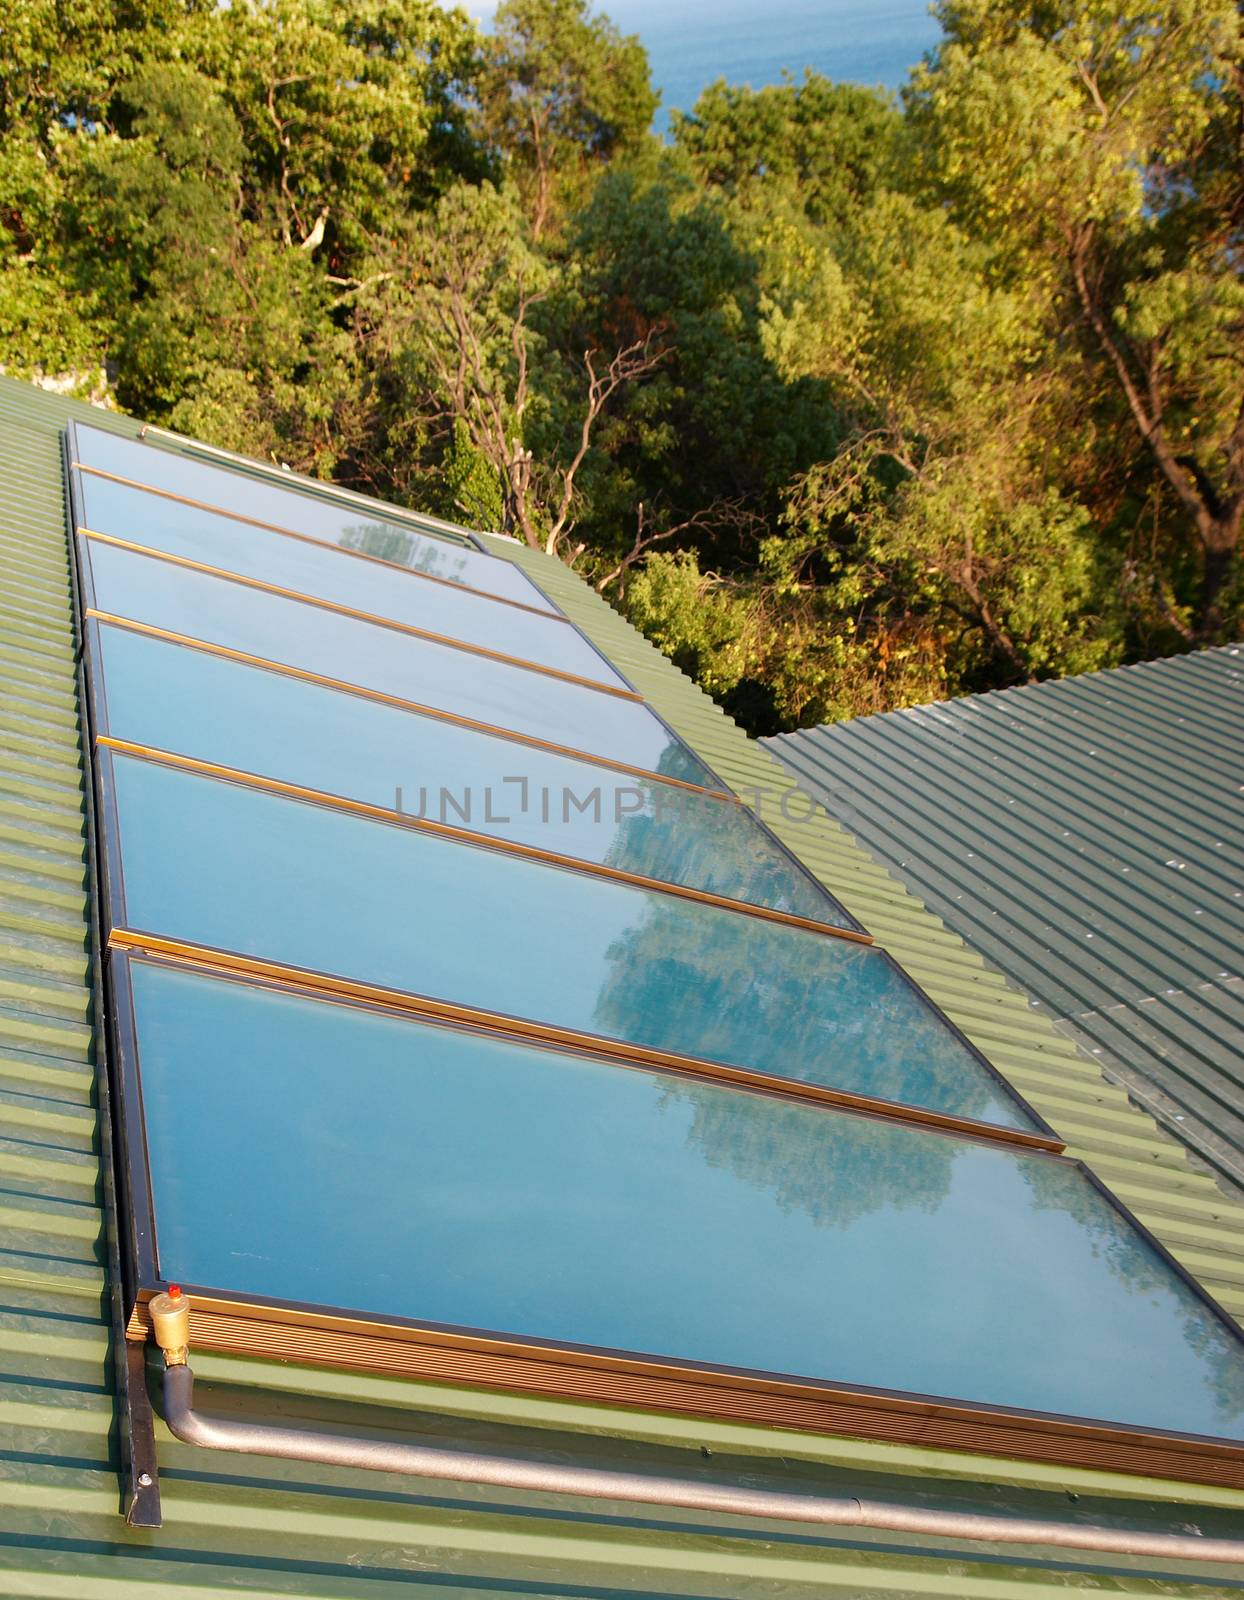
<point>169,697</point>
<point>146,589</point>
<point>327,574</point>
<point>487,1184</point>
<point>219,864</point>
<point>354,527</point>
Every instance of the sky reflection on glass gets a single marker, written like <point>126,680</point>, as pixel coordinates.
<point>169,697</point>
<point>354,527</point>
<point>148,590</point>
<point>327,574</point>
<point>489,1184</point>
<point>219,864</point>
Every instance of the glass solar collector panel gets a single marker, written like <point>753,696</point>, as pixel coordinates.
<point>699,1223</point>
<point>643,1147</point>
<point>350,525</point>
<point>170,697</point>
<point>219,864</point>
<point>340,578</point>
<point>144,589</point>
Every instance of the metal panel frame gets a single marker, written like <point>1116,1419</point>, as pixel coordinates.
<point>847,927</point>
<point>120,928</point>
<point>241,517</point>
<point>483,841</point>
<point>846,921</point>
<point>427,1008</point>
<point>385,699</point>
<point>557,613</point>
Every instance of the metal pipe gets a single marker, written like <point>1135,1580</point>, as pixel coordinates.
<point>468,1466</point>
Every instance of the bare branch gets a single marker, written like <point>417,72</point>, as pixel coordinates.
<point>630,362</point>
<point>730,513</point>
<point>315,238</point>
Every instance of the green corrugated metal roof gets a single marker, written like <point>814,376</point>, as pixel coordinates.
<point>1087,837</point>
<point>239,1525</point>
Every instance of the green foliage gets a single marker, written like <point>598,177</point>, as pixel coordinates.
<point>562,91</point>
<point>654,249</point>
<point>1095,149</point>
<point>779,655</point>
<point>826,146</point>
<point>473,490</point>
<point>848,404</point>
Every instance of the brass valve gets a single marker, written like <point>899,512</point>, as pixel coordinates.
<point>170,1321</point>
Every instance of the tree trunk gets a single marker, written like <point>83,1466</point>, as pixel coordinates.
<point>1217,570</point>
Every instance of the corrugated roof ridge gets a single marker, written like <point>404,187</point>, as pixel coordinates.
<point>993,935</point>
<point>1113,785</point>
<point>1068,781</point>
<point>884,751</point>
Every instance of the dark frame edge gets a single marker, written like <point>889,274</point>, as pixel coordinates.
<point>139,1468</point>
<point>1230,1325</point>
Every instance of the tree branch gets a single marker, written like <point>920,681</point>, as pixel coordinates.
<point>719,512</point>
<point>1149,426</point>
<point>631,362</point>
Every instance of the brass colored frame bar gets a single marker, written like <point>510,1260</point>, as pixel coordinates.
<point>153,632</point>
<point>489,841</point>
<point>321,985</point>
<point>352,612</point>
<point>323,544</point>
<point>446,1355</point>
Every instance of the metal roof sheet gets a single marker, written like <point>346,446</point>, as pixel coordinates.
<point>1087,837</point>
<point>238,1525</point>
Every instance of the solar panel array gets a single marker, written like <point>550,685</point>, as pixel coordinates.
<point>457,1004</point>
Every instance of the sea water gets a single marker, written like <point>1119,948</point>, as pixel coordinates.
<point>690,44</point>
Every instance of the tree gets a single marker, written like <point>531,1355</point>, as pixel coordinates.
<point>828,146</point>
<point>937,495</point>
<point>563,92</point>
<point>58,80</point>
<point>710,441</point>
<point>848,403</point>
<point>1097,148</point>
<point>461,300</point>
<point>210,180</point>
<point>922,548</point>
<point>353,115</point>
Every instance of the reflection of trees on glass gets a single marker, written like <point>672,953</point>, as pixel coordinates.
<point>832,1167</point>
<point>1113,1241</point>
<point>383,540</point>
<point>379,539</point>
<point>799,1004</point>
<point>715,846</point>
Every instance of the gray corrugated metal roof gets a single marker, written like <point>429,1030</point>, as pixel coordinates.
<point>1087,837</point>
<point>257,1527</point>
